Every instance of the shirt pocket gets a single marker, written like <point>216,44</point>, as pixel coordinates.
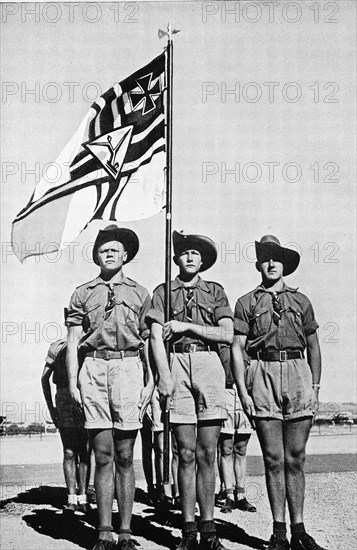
<point>178,313</point>
<point>93,316</point>
<point>295,322</point>
<point>261,322</point>
<point>128,313</point>
<point>207,312</point>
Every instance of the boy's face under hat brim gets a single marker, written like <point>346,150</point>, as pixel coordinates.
<point>269,247</point>
<point>127,237</point>
<point>205,246</point>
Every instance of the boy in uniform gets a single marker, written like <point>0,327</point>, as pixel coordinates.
<point>200,319</point>
<point>69,420</point>
<point>111,310</point>
<point>279,388</point>
<point>232,447</point>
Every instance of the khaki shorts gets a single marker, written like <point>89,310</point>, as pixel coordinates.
<point>280,390</point>
<point>110,391</point>
<point>69,415</point>
<point>199,384</point>
<point>237,421</point>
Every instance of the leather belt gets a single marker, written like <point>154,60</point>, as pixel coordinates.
<point>277,355</point>
<point>107,354</point>
<point>190,348</point>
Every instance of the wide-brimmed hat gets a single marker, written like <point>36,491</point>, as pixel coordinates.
<point>127,237</point>
<point>205,246</point>
<point>269,247</point>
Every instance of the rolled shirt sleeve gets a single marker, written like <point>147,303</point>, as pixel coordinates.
<point>156,311</point>
<point>75,311</point>
<point>308,316</point>
<point>241,320</point>
<point>222,309</point>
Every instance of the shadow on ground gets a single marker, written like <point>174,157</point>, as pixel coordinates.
<point>154,526</point>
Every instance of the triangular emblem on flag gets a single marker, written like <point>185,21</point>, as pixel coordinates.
<point>110,149</point>
<point>113,168</point>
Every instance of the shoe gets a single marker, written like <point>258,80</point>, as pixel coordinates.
<point>125,544</point>
<point>84,508</point>
<point>211,543</point>
<point>304,542</point>
<point>245,506</point>
<point>220,497</point>
<point>278,543</point>
<point>104,545</point>
<point>228,506</point>
<point>70,508</point>
<point>188,542</point>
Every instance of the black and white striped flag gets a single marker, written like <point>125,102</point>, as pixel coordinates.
<point>113,168</point>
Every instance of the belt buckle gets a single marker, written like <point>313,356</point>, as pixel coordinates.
<point>121,354</point>
<point>192,348</point>
<point>283,355</point>
<point>107,355</point>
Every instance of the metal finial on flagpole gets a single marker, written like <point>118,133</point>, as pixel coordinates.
<point>170,31</point>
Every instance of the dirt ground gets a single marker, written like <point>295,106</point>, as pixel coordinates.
<point>33,519</point>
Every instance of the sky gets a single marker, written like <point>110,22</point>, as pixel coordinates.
<point>263,142</point>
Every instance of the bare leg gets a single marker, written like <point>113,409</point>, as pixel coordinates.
<point>185,435</point>
<point>83,461</point>
<point>226,462</point>
<point>69,459</point>
<point>207,438</point>
<point>240,461</point>
<point>125,481</point>
<point>102,441</point>
<point>296,434</point>
<point>270,433</point>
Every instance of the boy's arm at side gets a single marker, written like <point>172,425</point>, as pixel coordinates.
<point>238,371</point>
<point>74,335</point>
<point>165,384</point>
<point>46,388</point>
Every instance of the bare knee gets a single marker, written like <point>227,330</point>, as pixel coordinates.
<point>186,456</point>
<point>206,455</point>
<point>274,463</point>
<point>103,457</point>
<point>68,454</point>
<point>294,461</point>
<point>124,460</point>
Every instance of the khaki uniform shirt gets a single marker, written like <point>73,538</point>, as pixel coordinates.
<point>210,304</point>
<point>253,317</point>
<point>120,328</point>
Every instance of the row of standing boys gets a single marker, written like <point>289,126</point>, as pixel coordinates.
<point>113,329</point>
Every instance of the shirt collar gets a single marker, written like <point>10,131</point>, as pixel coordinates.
<point>286,288</point>
<point>177,284</point>
<point>118,279</point>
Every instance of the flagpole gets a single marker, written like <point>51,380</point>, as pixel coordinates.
<point>168,237</point>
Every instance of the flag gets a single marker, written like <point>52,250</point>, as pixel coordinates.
<point>113,168</point>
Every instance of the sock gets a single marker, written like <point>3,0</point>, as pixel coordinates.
<point>124,534</point>
<point>207,529</point>
<point>297,529</point>
<point>240,492</point>
<point>229,493</point>
<point>105,532</point>
<point>82,499</point>
<point>189,529</point>
<point>72,499</point>
<point>279,529</point>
